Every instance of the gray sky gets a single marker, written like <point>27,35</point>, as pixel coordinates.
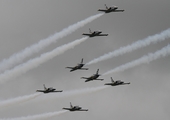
<point>24,23</point>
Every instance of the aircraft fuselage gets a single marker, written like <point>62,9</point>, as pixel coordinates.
<point>111,9</point>
<point>49,90</point>
<point>93,77</point>
<point>95,33</point>
<point>115,84</point>
<point>75,108</point>
<point>79,66</point>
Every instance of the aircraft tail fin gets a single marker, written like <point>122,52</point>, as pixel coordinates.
<point>97,71</point>
<point>82,61</point>
<point>106,6</point>
<point>90,30</point>
<point>44,87</point>
<point>71,105</point>
<point>112,79</point>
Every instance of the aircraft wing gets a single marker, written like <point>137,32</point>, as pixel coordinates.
<point>88,80</point>
<point>126,83</point>
<point>102,10</point>
<point>99,79</point>
<point>40,91</point>
<point>118,10</point>
<point>83,110</point>
<point>84,69</point>
<point>107,84</point>
<point>86,34</point>
<point>70,67</point>
<point>58,91</point>
<point>67,108</point>
<point>73,70</point>
<point>84,77</point>
<point>102,35</point>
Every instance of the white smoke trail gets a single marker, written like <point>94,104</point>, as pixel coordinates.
<point>145,59</point>
<point>20,56</point>
<point>136,45</point>
<point>18,100</point>
<point>21,99</point>
<point>33,63</point>
<point>37,117</point>
<point>73,93</point>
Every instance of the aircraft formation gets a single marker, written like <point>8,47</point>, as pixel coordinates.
<point>80,66</point>
<point>13,67</point>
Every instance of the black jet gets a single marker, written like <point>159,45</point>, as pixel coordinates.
<point>111,9</point>
<point>94,33</point>
<point>75,108</point>
<point>93,77</point>
<point>115,83</point>
<point>79,66</point>
<point>48,90</point>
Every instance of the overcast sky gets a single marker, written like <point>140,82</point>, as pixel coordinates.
<point>24,23</point>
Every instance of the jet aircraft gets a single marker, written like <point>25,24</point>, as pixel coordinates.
<point>48,90</point>
<point>75,108</point>
<point>111,9</point>
<point>78,66</point>
<point>93,77</point>
<point>115,83</point>
<point>94,33</point>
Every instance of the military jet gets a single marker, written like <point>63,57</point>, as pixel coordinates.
<point>48,90</point>
<point>115,83</point>
<point>94,33</point>
<point>75,108</point>
<point>111,9</point>
<point>78,66</point>
<point>93,77</point>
